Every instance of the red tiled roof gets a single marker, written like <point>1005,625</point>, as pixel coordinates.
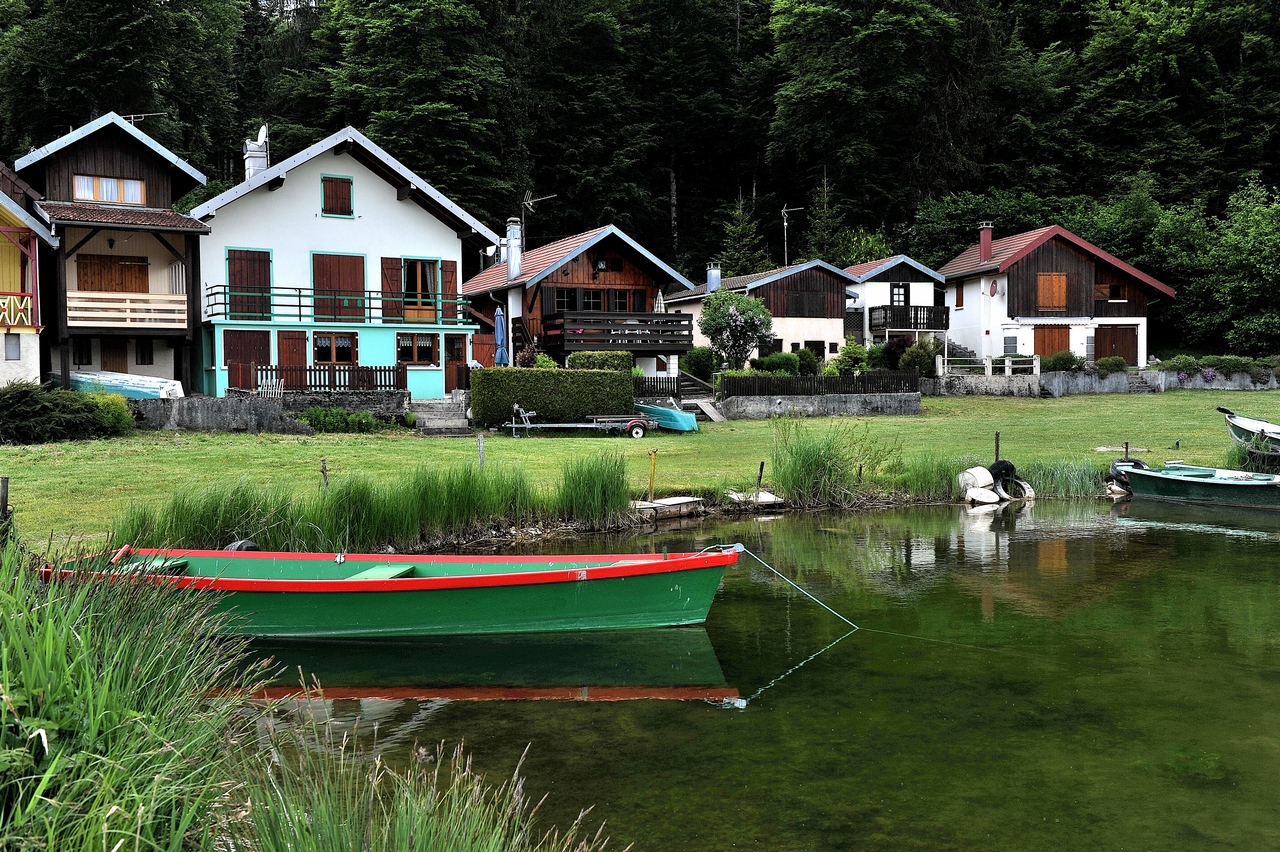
<point>863,268</point>
<point>1007,251</point>
<point>160,219</point>
<point>532,263</point>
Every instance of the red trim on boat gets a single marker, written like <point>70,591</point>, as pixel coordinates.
<point>680,562</point>
<point>503,693</point>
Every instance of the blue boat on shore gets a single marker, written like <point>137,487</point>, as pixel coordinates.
<point>669,418</point>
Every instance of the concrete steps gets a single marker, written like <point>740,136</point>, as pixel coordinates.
<point>1138,384</point>
<point>441,417</point>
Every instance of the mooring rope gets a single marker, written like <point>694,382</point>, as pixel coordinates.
<point>802,591</point>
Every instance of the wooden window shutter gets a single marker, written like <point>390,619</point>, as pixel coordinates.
<point>337,196</point>
<point>548,300</point>
<point>449,288</point>
<point>1052,291</point>
<point>960,295</point>
<point>246,347</point>
<point>392,288</point>
<point>638,301</point>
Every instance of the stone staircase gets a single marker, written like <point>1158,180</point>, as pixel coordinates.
<point>1138,383</point>
<point>441,418</point>
<point>955,350</point>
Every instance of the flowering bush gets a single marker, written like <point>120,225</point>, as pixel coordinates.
<point>1182,378</point>
<point>1208,374</point>
<point>734,323</point>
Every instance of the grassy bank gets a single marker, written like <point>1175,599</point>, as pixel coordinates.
<point>78,488</point>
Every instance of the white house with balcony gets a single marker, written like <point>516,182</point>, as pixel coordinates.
<point>23,228</point>
<point>895,296</point>
<point>336,269</point>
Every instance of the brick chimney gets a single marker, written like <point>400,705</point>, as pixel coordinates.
<point>984,241</point>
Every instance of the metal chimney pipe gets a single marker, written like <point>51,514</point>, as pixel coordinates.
<point>713,277</point>
<point>256,155</point>
<point>514,247</point>
<point>984,241</point>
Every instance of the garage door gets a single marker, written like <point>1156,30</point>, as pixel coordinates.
<point>1052,339</point>
<point>1119,340</point>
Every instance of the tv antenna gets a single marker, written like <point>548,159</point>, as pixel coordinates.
<point>785,211</point>
<point>134,118</point>
<point>527,206</point>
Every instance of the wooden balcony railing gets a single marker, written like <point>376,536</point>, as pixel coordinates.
<point>16,309</point>
<point>143,311</point>
<point>656,386</point>
<point>317,377</point>
<point>632,332</point>
<point>910,318</point>
<point>302,304</point>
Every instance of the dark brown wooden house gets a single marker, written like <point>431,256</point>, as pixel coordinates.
<point>115,291</point>
<point>600,290</point>
<point>1046,291</point>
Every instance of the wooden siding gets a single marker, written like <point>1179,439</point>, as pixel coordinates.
<point>246,347</point>
<point>813,280</point>
<point>108,153</point>
<point>1052,339</point>
<point>1133,292</point>
<point>112,274</point>
<point>1054,256</point>
<point>900,271</point>
<point>620,276</point>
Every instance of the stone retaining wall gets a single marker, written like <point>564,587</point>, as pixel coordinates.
<point>1068,384</point>
<point>384,405</point>
<point>1236,381</point>
<point>826,405</point>
<point>962,385</point>
<point>212,414</point>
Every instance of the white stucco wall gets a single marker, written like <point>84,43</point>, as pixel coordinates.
<point>27,367</point>
<point>789,329</point>
<point>161,352</point>
<point>288,223</point>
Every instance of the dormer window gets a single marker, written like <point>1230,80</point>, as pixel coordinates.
<point>111,190</point>
<point>336,196</point>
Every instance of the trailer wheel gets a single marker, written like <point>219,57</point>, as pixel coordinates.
<point>636,430</point>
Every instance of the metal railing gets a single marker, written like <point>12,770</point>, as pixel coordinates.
<point>126,310</point>
<point>16,309</point>
<point>873,381</point>
<point>317,377</point>
<point>633,332</point>
<point>656,386</point>
<point>303,304</point>
<point>999,365</point>
<point>909,318</point>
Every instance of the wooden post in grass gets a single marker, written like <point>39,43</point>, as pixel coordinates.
<point>4,497</point>
<point>759,482</point>
<point>653,470</point>
<point>324,475</point>
<point>997,446</point>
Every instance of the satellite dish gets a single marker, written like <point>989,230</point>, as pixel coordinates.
<point>262,134</point>
<point>993,288</point>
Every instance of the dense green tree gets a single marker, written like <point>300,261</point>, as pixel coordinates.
<point>734,323</point>
<point>742,253</point>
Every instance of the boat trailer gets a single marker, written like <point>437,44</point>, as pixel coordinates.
<point>616,424</point>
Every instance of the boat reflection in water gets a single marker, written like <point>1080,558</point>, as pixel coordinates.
<point>1224,520</point>
<point>607,665</point>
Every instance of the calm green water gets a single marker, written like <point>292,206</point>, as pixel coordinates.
<point>1069,677</point>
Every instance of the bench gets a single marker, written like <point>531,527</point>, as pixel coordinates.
<point>392,571</point>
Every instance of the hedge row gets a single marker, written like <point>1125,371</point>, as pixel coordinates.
<point>558,396</point>
<point>30,414</point>
<point>620,361</point>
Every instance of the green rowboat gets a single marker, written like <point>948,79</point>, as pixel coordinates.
<point>1188,484</point>
<point>366,595</point>
<point>1261,437</point>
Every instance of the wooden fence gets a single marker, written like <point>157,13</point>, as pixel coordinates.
<point>875,381</point>
<point>317,377</point>
<point>657,385</point>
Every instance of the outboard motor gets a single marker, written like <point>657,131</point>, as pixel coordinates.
<point>242,544</point>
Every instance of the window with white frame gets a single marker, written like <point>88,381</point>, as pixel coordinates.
<point>1011,344</point>
<point>110,189</point>
<point>12,347</point>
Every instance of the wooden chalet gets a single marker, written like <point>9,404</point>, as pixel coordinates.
<point>1048,291</point>
<point>895,296</point>
<point>599,290</point>
<point>807,301</point>
<point>115,289</point>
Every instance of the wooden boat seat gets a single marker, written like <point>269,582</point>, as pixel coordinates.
<point>391,571</point>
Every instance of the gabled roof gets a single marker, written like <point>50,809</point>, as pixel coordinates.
<point>747,283</point>
<point>84,214</point>
<point>367,152</point>
<point>13,211</point>
<point>537,264</point>
<point>1007,251</point>
<point>97,124</point>
<point>863,271</point>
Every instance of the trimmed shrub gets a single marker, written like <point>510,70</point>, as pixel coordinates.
<point>1180,364</point>
<point>620,361</point>
<point>543,361</point>
<point>920,358</point>
<point>1227,365</point>
<point>875,357</point>
<point>361,421</point>
<point>327,419</point>
<point>830,370</point>
<point>559,396</point>
<point>699,362</point>
<point>1107,366</point>
<point>808,362</point>
<point>778,362</point>
<point>1065,361</point>
<point>30,414</point>
<point>893,351</point>
<point>851,359</point>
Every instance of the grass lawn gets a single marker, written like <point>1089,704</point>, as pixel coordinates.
<point>77,489</point>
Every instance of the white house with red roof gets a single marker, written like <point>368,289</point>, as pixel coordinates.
<point>1046,291</point>
<point>595,291</point>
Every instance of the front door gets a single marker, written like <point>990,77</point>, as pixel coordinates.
<point>291,353</point>
<point>1052,339</point>
<point>115,354</point>
<point>1119,340</point>
<point>455,361</point>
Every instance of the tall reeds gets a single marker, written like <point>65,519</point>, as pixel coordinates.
<point>312,792</point>
<point>111,720</point>
<point>825,467</point>
<point>357,514</point>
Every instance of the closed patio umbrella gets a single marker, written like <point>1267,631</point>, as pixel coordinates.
<point>500,358</point>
